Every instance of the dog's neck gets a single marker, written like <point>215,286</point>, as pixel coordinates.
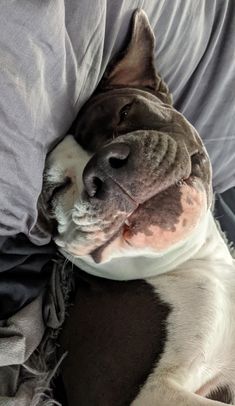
<point>204,244</point>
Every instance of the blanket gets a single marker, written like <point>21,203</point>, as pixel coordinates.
<point>53,55</point>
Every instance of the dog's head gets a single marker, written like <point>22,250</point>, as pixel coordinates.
<point>135,178</point>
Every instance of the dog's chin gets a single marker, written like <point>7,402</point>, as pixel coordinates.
<point>155,227</point>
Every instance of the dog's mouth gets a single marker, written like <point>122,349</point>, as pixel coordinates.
<point>149,229</point>
<point>160,221</point>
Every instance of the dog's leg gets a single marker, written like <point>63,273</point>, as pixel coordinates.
<point>166,392</point>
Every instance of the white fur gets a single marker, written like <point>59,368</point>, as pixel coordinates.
<point>195,277</point>
<point>132,263</point>
<point>199,353</point>
<point>67,158</point>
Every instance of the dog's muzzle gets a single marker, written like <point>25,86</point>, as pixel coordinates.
<point>140,191</point>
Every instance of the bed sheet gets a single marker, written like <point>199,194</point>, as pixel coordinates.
<point>53,54</point>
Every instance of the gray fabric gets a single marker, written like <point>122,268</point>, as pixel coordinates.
<point>53,54</point>
<point>224,212</point>
<point>20,335</point>
<point>27,344</point>
<point>24,272</point>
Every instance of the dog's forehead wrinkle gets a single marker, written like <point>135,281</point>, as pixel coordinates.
<point>166,120</point>
<point>122,96</point>
<point>161,142</point>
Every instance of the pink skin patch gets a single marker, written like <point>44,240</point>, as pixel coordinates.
<point>159,238</point>
<point>162,222</point>
<point>193,203</point>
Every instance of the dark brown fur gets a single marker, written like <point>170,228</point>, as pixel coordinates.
<point>115,335</point>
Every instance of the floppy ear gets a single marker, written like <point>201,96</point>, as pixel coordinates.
<point>134,67</point>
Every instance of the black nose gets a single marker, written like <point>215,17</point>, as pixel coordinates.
<point>110,158</point>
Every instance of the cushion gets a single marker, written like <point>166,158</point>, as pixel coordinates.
<point>53,55</point>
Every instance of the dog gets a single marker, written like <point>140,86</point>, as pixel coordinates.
<point>128,199</point>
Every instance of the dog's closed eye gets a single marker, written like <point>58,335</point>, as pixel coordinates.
<point>123,113</point>
<point>57,190</point>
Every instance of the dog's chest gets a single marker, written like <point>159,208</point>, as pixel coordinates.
<point>200,327</point>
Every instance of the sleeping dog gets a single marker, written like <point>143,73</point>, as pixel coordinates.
<point>128,199</point>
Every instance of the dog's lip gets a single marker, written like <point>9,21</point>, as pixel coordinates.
<point>126,227</point>
<point>198,157</point>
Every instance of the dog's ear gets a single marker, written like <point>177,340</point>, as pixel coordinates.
<point>134,67</point>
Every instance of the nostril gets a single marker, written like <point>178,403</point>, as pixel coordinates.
<point>117,155</point>
<point>98,184</point>
<point>98,169</point>
<point>93,185</point>
<point>117,163</point>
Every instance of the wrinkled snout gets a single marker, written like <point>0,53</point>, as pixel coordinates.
<point>141,164</point>
<point>105,163</point>
<point>142,190</point>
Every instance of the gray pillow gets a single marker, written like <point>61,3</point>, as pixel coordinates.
<point>53,55</point>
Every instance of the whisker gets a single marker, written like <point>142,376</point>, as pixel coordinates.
<point>66,213</point>
<point>72,267</point>
<point>68,259</point>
